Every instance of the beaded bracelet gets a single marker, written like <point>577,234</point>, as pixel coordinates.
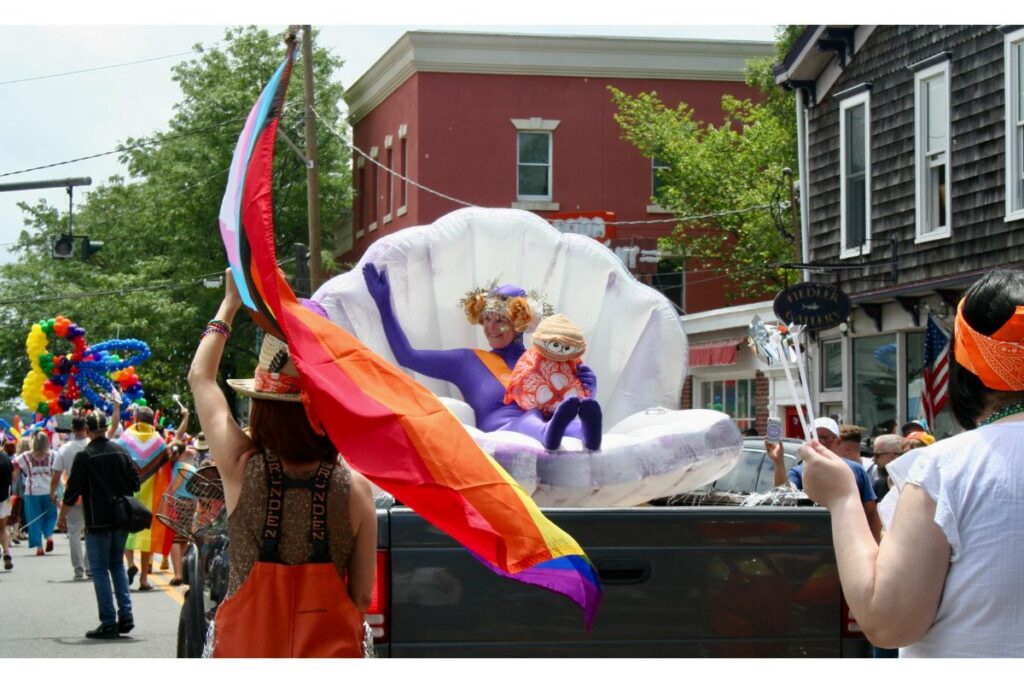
<point>214,329</point>
<point>220,323</point>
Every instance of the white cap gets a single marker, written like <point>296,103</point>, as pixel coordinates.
<point>827,423</point>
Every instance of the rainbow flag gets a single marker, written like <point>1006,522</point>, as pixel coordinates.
<point>149,453</point>
<point>389,427</point>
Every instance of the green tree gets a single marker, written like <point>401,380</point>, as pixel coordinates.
<point>723,172</point>
<point>160,227</point>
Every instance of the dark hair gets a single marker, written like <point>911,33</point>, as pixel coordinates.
<point>144,414</point>
<point>910,427</point>
<point>988,304</point>
<point>78,423</point>
<point>282,428</point>
<point>96,422</point>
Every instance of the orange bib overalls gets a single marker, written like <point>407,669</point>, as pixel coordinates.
<point>291,610</point>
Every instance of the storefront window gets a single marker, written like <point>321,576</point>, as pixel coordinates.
<point>944,425</point>
<point>832,365</point>
<point>874,383</point>
<point>734,397</point>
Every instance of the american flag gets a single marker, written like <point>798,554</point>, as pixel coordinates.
<point>936,370</point>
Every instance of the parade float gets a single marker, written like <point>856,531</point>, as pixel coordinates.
<point>635,346</point>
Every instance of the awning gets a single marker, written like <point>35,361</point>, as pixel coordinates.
<point>721,352</point>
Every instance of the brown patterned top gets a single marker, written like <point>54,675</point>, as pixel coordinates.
<point>245,525</point>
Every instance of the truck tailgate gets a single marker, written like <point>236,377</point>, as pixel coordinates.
<point>678,582</point>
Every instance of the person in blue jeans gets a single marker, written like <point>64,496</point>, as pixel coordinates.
<point>102,472</point>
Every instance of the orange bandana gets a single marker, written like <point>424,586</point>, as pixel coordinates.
<point>997,360</point>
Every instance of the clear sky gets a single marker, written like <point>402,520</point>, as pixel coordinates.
<point>50,120</point>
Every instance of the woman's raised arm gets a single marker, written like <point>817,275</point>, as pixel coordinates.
<point>228,443</point>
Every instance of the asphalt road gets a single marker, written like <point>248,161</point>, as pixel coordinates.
<point>46,612</point>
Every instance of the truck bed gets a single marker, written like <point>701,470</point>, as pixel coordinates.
<point>677,581</point>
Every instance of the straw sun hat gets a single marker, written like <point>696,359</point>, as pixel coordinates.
<point>276,377</point>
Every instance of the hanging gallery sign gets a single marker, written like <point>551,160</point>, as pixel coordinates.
<point>815,305</point>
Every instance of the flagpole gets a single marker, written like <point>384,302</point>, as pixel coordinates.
<point>312,163</point>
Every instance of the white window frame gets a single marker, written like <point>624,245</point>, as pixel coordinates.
<point>551,144</point>
<point>921,163</point>
<point>529,202</point>
<point>656,208</point>
<point>705,389</point>
<point>403,187</point>
<point>848,103</point>
<point>375,188</point>
<point>1014,138</point>
<point>824,374</point>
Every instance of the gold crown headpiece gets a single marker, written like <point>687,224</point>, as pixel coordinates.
<point>524,309</point>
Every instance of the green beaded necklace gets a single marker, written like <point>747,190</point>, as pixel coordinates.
<point>1012,409</point>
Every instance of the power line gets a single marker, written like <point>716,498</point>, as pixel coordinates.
<point>110,292</point>
<point>677,219</point>
<point>102,68</point>
<point>143,143</point>
<point>121,291</point>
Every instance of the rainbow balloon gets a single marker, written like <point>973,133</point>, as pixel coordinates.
<point>389,427</point>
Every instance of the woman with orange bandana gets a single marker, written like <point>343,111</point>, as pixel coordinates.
<point>946,580</point>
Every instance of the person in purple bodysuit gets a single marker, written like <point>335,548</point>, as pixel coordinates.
<point>481,376</point>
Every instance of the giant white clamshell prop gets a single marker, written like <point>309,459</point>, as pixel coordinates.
<point>636,347</point>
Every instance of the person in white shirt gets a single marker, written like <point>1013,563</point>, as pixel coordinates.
<point>36,468</point>
<point>947,579</point>
<point>72,514</point>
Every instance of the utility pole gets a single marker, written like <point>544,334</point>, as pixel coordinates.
<point>312,164</point>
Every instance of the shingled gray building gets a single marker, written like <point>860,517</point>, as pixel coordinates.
<point>912,173</point>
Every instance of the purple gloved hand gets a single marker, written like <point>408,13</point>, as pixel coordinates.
<point>378,285</point>
<point>587,378</point>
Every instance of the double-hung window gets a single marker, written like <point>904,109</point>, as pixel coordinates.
<point>1013,54</point>
<point>932,152</point>
<point>534,165</point>
<point>855,175</point>
<point>656,178</point>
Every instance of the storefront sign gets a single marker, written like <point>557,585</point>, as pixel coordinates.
<point>816,305</point>
<point>590,223</point>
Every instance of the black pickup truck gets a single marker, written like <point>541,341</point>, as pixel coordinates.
<point>677,581</point>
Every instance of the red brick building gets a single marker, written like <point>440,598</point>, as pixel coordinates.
<point>526,121</point>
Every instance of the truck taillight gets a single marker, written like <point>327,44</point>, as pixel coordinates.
<point>376,615</point>
<point>851,629</point>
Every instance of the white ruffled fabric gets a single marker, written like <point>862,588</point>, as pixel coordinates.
<point>635,345</point>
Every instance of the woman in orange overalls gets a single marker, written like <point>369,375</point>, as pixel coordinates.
<point>302,525</point>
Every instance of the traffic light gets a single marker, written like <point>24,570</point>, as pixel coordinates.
<point>64,247</point>
<point>90,247</point>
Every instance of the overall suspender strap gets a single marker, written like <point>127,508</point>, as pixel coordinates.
<point>269,549</point>
<point>318,514</point>
<point>318,487</point>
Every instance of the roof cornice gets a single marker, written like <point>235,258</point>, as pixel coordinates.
<point>817,59</point>
<point>533,55</point>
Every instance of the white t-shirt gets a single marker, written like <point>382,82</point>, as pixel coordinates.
<point>36,474</point>
<point>977,482</point>
<point>66,456</point>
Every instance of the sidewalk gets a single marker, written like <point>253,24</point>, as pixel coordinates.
<point>46,612</point>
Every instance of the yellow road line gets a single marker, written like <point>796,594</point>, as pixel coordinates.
<point>173,592</point>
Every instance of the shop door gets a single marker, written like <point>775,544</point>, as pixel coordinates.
<point>793,430</point>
